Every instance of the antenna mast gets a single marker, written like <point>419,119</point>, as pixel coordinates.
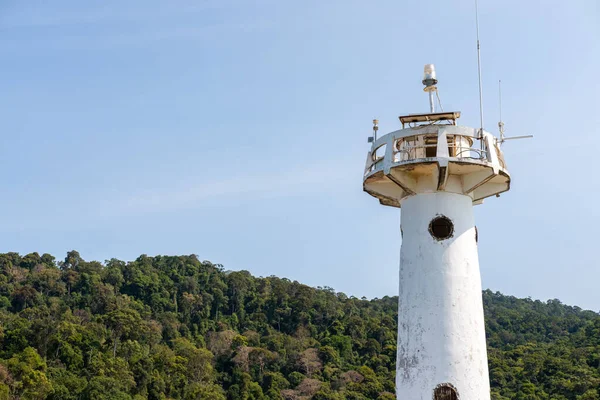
<point>479,71</point>
<point>501,124</point>
<point>430,80</point>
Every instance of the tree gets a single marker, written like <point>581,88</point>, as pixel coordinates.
<point>260,357</point>
<point>309,387</point>
<point>110,377</point>
<point>113,274</point>
<point>309,361</point>
<point>6,382</point>
<point>28,372</point>
<point>24,296</point>
<point>199,367</point>
<point>66,385</point>
<point>122,322</point>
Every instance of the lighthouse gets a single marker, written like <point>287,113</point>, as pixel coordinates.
<point>435,171</point>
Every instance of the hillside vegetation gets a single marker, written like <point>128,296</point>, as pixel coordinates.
<point>180,328</point>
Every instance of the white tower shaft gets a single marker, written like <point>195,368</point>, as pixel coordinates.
<point>441,333</point>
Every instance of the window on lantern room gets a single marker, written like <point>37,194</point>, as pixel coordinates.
<point>379,153</point>
<point>451,146</point>
<point>431,146</point>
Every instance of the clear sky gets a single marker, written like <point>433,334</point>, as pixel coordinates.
<point>237,130</point>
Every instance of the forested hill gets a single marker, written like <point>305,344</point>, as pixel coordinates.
<point>180,328</point>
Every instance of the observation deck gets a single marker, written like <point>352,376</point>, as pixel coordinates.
<point>430,154</point>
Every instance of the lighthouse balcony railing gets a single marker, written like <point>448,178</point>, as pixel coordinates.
<point>409,149</point>
<point>426,146</point>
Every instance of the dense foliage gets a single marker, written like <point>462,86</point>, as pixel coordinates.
<point>178,328</point>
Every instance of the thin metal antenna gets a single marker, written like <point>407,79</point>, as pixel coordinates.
<point>501,124</point>
<point>479,70</point>
<point>500,96</point>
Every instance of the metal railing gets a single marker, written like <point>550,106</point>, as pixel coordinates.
<point>419,147</point>
<point>458,147</point>
<point>473,153</point>
<point>412,152</point>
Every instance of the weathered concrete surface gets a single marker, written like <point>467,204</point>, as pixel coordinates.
<point>441,333</point>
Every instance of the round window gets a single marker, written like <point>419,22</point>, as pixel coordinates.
<point>441,227</point>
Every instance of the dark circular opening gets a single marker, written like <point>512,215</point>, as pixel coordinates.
<point>441,227</point>
<point>445,391</point>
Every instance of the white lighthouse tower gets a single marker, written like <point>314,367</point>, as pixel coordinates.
<point>436,171</point>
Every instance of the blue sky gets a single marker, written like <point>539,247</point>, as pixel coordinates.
<point>237,131</point>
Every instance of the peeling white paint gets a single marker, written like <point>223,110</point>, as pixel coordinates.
<point>441,332</point>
